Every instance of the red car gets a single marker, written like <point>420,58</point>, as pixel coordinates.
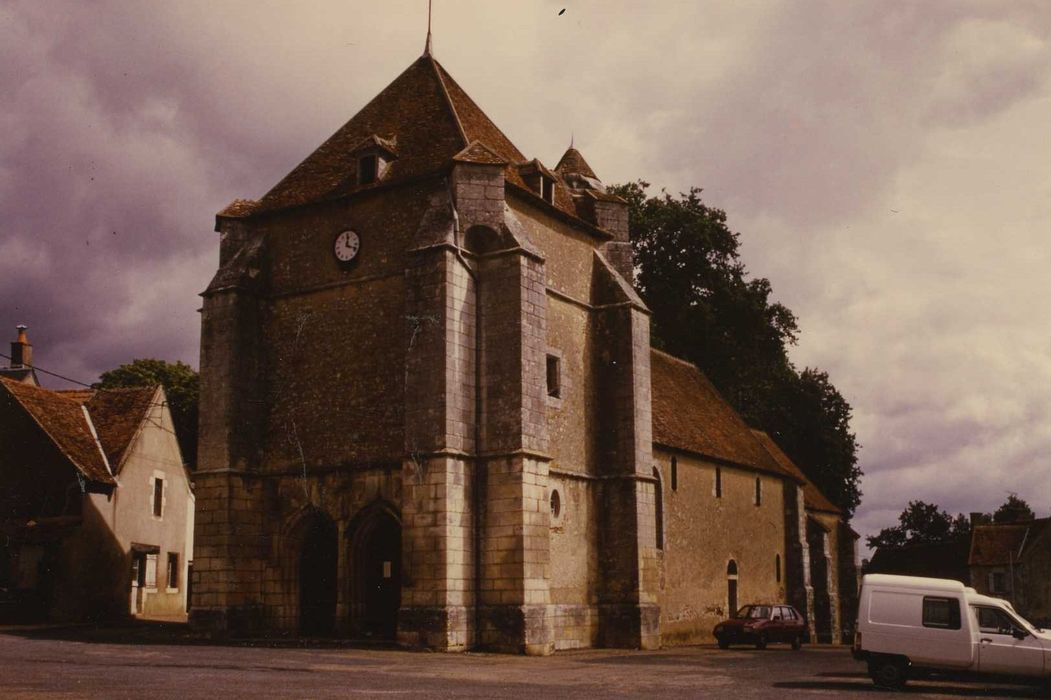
<point>762,624</point>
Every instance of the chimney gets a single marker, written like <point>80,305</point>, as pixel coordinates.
<point>21,350</point>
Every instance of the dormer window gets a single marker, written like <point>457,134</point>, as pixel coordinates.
<point>368,169</point>
<point>547,189</point>
<point>373,157</point>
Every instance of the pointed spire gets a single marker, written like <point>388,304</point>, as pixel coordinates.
<point>571,140</point>
<point>427,46</point>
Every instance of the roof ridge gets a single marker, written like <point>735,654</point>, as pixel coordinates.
<point>437,68</point>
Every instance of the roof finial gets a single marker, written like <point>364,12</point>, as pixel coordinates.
<point>427,47</point>
<point>571,139</point>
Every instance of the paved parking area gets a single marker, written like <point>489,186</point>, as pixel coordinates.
<point>111,664</point>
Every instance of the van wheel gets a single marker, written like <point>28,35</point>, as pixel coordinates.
<point>797,642</point>
<point>761,642</point>
<point>888,672</point>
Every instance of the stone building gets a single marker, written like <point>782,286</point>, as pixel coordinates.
<point>1013,561</point>
<point>96,511</point>
<point>427,410</point>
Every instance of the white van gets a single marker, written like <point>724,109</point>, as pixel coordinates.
<point>908,624</point>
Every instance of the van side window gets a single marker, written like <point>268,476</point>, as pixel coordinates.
<point>942,613</point>
<point>994,621</point>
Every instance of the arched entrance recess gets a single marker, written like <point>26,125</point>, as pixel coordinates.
<point>376,572</point>
<point>318,557</point>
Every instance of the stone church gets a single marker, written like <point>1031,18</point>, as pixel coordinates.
<point>430,410</point>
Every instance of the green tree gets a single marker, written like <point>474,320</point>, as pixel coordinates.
<point>922,523</point>
<point>181,385</point>
<point>707,310</point>
<point>1014,510</point>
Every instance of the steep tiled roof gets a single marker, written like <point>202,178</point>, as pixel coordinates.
<point>572,161</point>
<point>689,414</point>
<point>117,414</point>
<point>429,117</point>
<point>812,496</point>
<point>995,545</point>
<point>64,421</point>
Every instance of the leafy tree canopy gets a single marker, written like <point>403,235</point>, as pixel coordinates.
<point>1014,510</point>
<point>707,310</point>
<point>922,523</point>
<point>925,523</point>
<point>181,385</point>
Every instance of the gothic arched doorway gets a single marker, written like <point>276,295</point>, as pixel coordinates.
<point>376,574</point>
<point>318,556</point>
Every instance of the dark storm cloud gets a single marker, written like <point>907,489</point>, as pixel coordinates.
<point>882,162</point>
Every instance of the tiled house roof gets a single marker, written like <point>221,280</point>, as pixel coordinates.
<point>573,162</point>
<point>118,414</point>
<point>690,415</point>
<point>66,424</point>
<point>113,415</point>
<point>1002,544</point>
<point>812,496</point>
<point>938,560</point>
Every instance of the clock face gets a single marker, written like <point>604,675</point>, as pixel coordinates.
<point>346,246</point>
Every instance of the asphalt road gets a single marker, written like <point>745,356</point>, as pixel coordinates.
<point>111,664</point>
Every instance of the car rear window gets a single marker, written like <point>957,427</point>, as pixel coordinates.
<point>943,613</point>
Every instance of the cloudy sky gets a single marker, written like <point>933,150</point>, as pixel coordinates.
<point>887,164</point>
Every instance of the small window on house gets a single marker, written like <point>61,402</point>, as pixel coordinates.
<point>777,567</point>
<point>943,613</point>
<point>997,583</point>
<point>368,170</point>
<point>758,491</point>
<point>173,570</point>
<point>547,189</point>
<point>158,497</point>
<point>718,482</point>
<point>151,571</point>
<point>554,377</point>
<point>674,474</point>
<point>556,504</point>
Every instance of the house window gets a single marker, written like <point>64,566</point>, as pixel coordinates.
<point>556,504</point>
<point>943,613</point>
<point>674,474</point>
<point>368,170</point>
<point>758,491</point>
<point>151,570</point>
<point>731,587</point>
<point>158,496</point>
<point>554,377</point>
<point>547,189</point>
<point>997,583</point>
<point>777,567</point>
<point>718,482</point>
<point>173,570</point>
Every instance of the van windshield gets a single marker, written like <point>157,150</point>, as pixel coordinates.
<point>754,612</point>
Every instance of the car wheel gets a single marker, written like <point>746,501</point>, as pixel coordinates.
<point>888,672</point>
<point>761,642</point>
<point>724,645</point>
<point>797,642</point>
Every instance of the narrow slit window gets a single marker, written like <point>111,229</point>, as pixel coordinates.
<point>158,497</point>
<point>658,509</point>
<point>758,491</point>
<point>718,482</point>
<point>554,377</point>
<point>674,474</point>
